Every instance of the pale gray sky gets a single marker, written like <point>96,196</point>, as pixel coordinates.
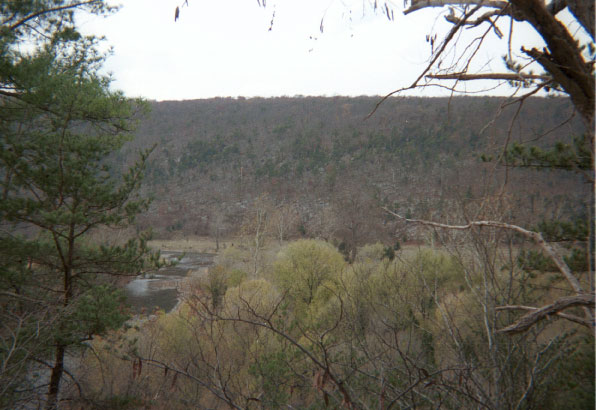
<point>225,48</point>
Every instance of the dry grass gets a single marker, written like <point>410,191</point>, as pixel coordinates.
<point>205,244</point>
<point>191,244</point>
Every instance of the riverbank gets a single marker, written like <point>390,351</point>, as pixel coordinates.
<point>191,244</point>
<point>163,289</point>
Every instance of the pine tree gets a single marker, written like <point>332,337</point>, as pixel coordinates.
<point>59,123</point>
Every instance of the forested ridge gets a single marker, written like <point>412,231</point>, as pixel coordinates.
<point>419,154</point>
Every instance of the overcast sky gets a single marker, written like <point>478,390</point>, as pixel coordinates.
<point>225,48</point>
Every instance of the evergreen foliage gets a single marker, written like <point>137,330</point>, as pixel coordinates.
<point>59,123</point>
<point>577,156</point>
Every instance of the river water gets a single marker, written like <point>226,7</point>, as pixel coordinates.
<point>160,290</point>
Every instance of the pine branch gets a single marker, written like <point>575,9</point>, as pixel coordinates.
<point>52,10</point>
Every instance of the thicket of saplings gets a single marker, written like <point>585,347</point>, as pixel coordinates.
<point>416,327</point>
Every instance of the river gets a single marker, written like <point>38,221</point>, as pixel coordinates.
<point>160,290</point>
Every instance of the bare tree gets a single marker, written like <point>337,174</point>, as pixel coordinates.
<point>567,61</point>
<point>283,219</point>
<point>255,228</point>
<point>216,226</point>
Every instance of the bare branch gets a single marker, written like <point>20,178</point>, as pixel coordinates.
<point>563,58</point>
<point>556,6</point>
<point>15,295</point>
<point>434,59</point>
<point>421,4</point>
<point>527,321</point>
<point>575,91</point>
<point>53,10</point>
<point>583,10</point>
<point>485,18</point>
<point>536,236</point>
<point>571,318</point>
<point>215,391</point>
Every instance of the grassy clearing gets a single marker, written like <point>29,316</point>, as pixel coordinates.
<point>208,245</point>
<point>191,244</point>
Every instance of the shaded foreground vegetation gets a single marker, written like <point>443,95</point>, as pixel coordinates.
<point>417,328</point>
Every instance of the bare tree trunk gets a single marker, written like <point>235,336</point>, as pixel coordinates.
<point>55,378</point>
<point>259,237</point>
<point>563,59</point>
<point>58,369</point>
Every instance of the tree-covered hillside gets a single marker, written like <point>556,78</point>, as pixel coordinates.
<point>326,160</point>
